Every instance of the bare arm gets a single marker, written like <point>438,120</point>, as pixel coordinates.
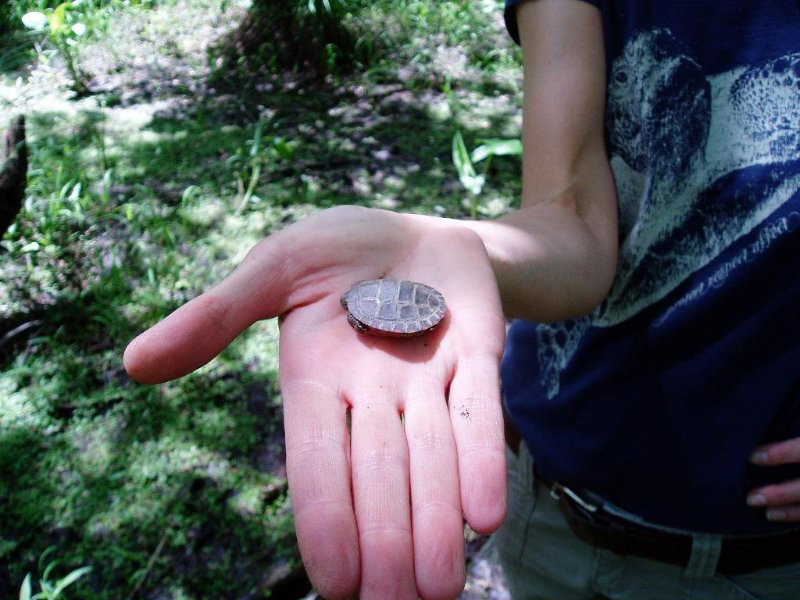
<point>556,256</point>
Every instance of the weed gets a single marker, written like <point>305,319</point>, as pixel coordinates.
<point>464,163</point>
<point>63,28</point>
<point>50,590</point>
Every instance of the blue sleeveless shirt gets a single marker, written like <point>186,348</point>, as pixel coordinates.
<point>656,400</point>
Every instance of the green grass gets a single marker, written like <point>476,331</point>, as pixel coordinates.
<point>135,205</point>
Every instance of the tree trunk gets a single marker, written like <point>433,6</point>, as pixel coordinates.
<point>14,173</point>
<point>302,34</point>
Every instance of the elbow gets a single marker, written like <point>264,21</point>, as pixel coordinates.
<point>597,282</point>
<point>595,269</point>
<point>578,301</point>
<point>592,261</point>
<point>597,252</point>
<point>559,259</point>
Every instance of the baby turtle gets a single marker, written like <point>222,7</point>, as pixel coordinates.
<point>393,307</point>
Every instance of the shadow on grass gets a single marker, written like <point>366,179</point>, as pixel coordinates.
<point>106,471</point>
<point>207,545</point>
<point>16,51</point>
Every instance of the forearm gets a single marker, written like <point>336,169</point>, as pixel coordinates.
<point>555,257</point>
<point>553,260</point>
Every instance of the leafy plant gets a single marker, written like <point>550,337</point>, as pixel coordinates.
<point>465,163</point>
<point>50,590</point>
<point>496,147</point>
<point>62,32</point>
<point>471,181</point>
<point>255,162</point>
<point>277,148</point>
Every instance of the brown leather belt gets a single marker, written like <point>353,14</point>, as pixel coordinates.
<point>595,525</point>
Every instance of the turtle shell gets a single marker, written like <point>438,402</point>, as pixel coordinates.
<point>393,307</point>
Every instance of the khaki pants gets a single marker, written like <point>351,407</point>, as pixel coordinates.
<point>543,559</point>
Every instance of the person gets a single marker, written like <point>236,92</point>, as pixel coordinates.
<point>650,268</point>
<point>644,421</point>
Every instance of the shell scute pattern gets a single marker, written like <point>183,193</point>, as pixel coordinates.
<point>393,307</point>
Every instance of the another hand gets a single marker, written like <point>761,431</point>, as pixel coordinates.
<point>379,505</point>
<point>781,500</point>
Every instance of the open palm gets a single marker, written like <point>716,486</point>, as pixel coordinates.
<point>391,442</point>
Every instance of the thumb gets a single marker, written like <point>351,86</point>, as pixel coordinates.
<point>202,328</point>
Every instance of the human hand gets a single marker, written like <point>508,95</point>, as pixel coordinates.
<point>379,504</point>
<point>781,500</point>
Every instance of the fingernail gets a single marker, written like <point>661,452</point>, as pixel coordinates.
<point>757,500</point>
<point>759,458</point>
<point>776,515</point>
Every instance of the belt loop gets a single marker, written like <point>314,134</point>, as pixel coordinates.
<point>705,556</point>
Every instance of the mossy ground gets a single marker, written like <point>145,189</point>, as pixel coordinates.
<point>137,201</point>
